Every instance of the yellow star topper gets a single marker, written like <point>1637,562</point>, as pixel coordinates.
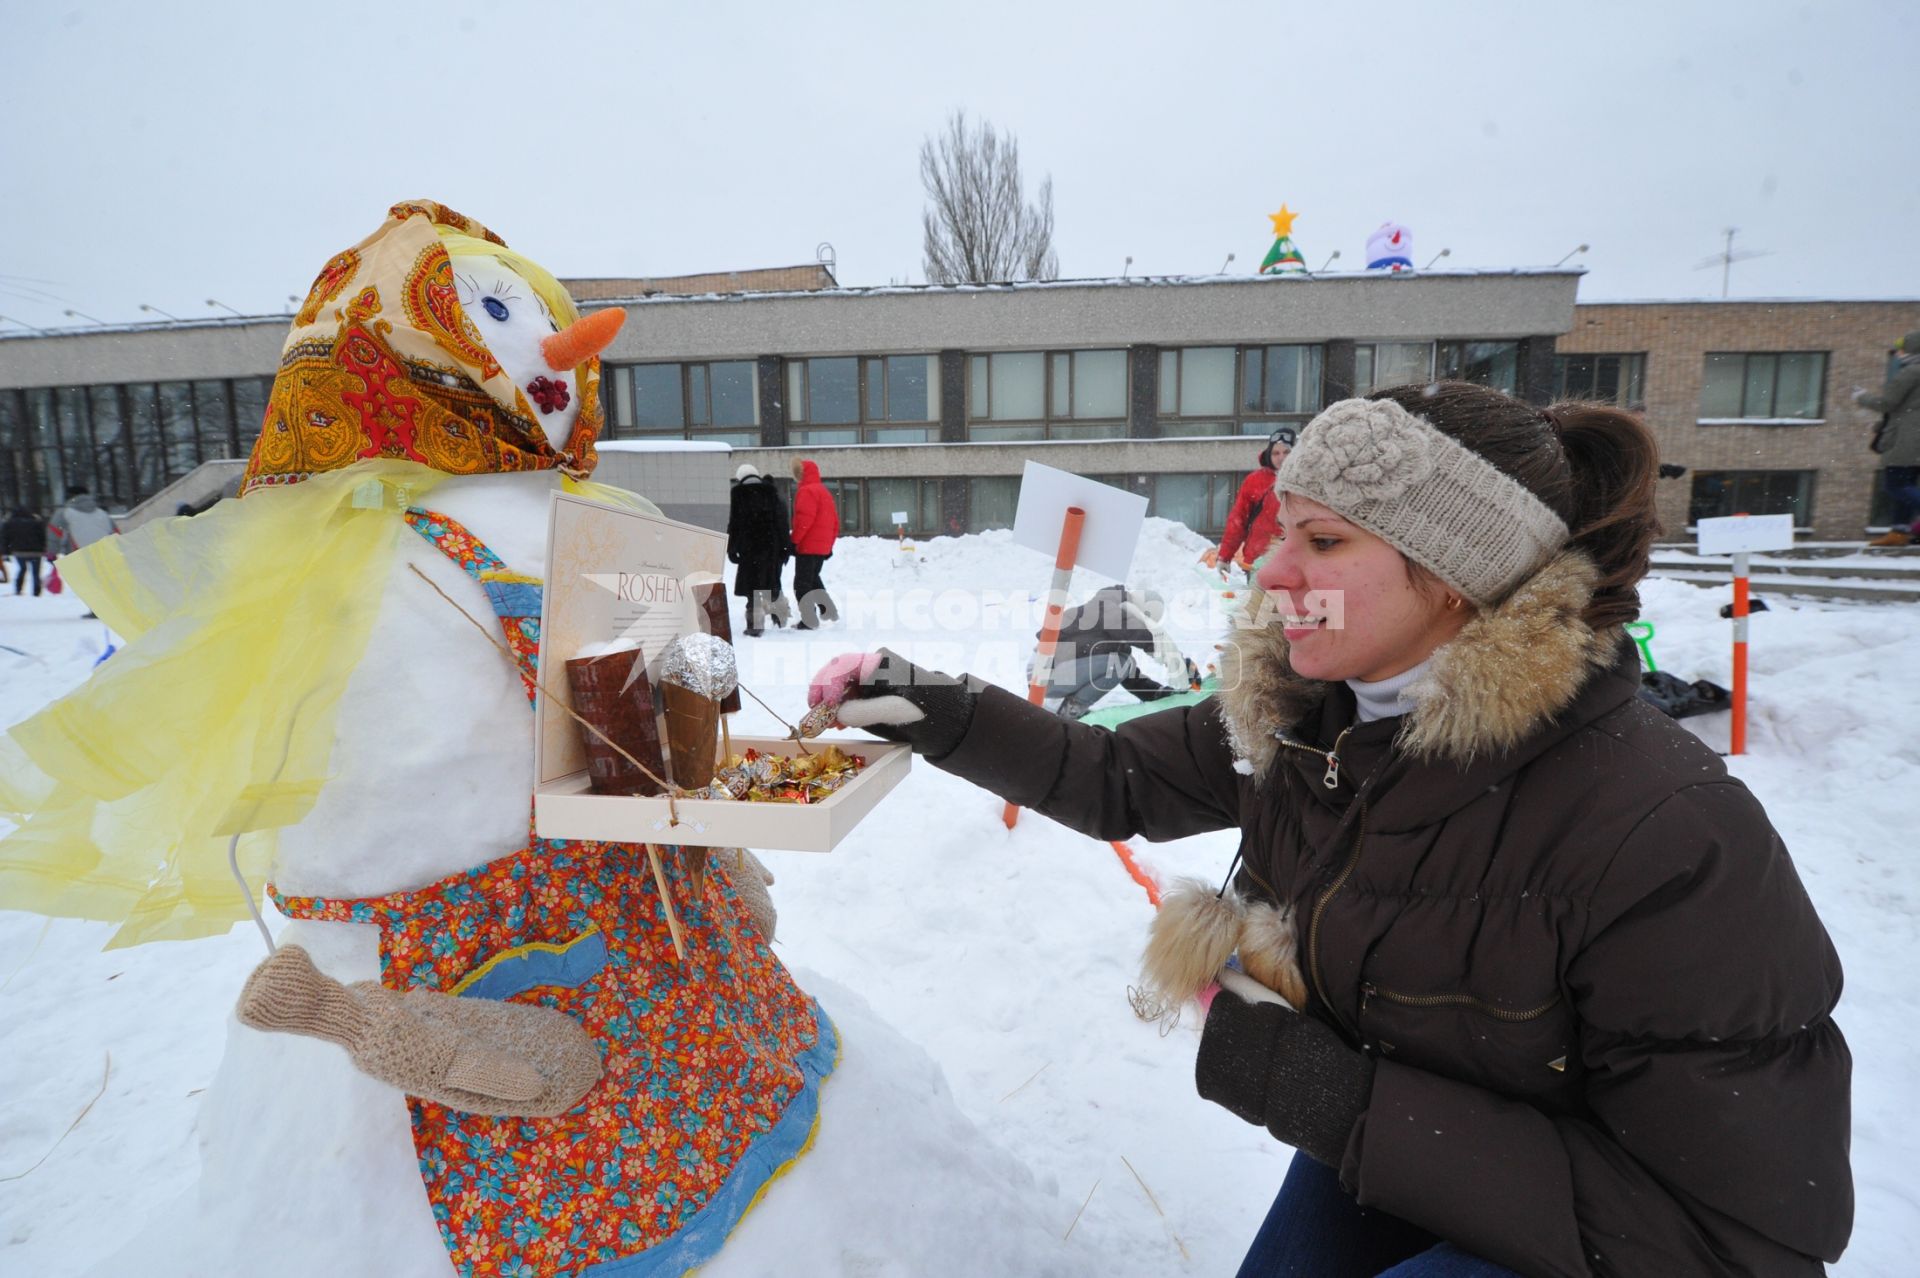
<point>1283,220</point>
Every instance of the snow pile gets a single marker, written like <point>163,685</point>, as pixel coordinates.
<point>978,974</point>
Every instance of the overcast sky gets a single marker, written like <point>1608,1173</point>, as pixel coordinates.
<point>168,153</point>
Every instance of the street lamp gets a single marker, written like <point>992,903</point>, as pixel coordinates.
<point>1224,265</point>
<point>213,301</point>
<point>1330,260</point>
<point>1128,268</point>
<point>1575,253</point>
<point>83,315</point>
<point>157,311</point>
<point>22,323</point>
<point>1436,257</point>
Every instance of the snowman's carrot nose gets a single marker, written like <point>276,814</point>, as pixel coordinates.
<point>581,340</point>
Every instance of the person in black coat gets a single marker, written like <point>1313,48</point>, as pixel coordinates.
<point>24,536</point>
<point>757,543</point>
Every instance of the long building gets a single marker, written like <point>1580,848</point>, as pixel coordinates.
<point>929,400</point>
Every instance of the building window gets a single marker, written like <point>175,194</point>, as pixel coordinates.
<point>1752,492</point>
<point>918,499</point>
<point>1610,379</point>
<point>1235,390</point>
<point>1201,502</point>
<point>1495,364</point>
<point>876,399</point>
<point>1378,364</point>
<point>991,501</point>
<point>1278,380</point>
<point>1016,395</point>
<point>1767,389</point>
<point>718,401</point>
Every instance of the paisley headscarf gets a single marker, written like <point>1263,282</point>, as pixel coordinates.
<point>382,361</point>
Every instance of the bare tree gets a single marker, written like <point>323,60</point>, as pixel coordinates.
<point>979,227</point>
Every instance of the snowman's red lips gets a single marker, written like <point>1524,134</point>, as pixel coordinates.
<point>551,396</point>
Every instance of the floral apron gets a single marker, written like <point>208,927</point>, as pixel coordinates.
<point>711,1067</point>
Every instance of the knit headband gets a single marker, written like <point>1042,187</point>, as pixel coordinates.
<point>1430,497</point>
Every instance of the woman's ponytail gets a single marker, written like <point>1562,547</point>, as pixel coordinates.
<point>1612,462</point>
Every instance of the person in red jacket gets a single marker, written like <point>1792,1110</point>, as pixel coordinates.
<point>1250,524</point>
<point>816,523</point>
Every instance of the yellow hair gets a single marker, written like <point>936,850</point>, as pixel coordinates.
<point>559,303</point>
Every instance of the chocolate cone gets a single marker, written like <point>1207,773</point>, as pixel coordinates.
<point>604,697</point>
<point>693,734</point>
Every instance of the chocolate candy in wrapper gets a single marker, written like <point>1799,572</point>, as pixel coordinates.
<point>702,664</point>
<point>819,719</point>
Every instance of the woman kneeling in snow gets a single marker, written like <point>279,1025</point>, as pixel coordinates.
<point>1567,1006</point>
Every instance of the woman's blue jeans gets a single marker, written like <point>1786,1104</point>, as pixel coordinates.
<point>1316,1230</point>
<point>1903,485</point>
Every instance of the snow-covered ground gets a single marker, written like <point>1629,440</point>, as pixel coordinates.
<point>1004,955</point>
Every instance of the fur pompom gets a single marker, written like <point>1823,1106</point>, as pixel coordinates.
<point>1270,951</point>
<point>1193,935</point>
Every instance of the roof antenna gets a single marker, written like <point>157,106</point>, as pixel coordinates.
<point>1725,259</point>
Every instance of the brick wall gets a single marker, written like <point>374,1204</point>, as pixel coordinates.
<point>1676,337</point>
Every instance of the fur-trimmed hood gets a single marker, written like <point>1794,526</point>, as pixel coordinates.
<point>1510,669</point>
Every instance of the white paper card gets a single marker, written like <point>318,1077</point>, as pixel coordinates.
<point>611,573</point>
<point>1736,534</point>
<point>1112,528</point>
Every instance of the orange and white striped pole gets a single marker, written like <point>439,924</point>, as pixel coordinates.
<point>1738,745</point>
<point>1050,632</point>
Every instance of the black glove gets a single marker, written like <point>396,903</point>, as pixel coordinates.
<point>1286,1071</point>
<point>898,700</point>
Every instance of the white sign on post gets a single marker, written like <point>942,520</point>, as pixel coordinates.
<point>1108,537</point>
<point>899,516</point>
<point>1743,534</point>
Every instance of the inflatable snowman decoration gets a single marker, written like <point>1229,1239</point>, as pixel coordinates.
<point>473,1050</point>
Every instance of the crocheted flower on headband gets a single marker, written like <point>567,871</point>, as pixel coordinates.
<point>1362,450</point>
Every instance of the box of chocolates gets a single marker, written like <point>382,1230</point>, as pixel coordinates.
<point>636,676</point>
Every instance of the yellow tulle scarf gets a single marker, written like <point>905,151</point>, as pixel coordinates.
<point>241,627</point>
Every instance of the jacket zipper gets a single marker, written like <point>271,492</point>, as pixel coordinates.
<point>1320,906</point>
<point>1332,781</point>
<point>1369,990</point>
<point>1332,778</point>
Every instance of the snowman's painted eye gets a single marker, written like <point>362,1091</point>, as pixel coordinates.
<point>495,307</point>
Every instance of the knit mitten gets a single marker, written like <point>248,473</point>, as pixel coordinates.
<point>1285,1071</point>
<point>477,1055</point>
<point>891,697</point>
<point>750,881</point>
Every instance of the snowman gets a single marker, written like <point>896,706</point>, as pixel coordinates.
<point>472,1050</point>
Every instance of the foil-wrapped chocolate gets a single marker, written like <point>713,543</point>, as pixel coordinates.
<point>702,664</point>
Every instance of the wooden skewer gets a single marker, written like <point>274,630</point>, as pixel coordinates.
<point>792,731</point>
<point>666,902</point>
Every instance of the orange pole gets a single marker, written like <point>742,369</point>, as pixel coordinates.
<point>1739,743</point>
<point>1050,633</point>
<point>1137,874</point>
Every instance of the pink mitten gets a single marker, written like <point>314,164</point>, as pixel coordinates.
<point>833,681</point>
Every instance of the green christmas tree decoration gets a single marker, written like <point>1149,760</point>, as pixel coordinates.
<point>1284,257</point>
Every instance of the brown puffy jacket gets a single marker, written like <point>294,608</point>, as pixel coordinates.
<point>1598,997</point>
